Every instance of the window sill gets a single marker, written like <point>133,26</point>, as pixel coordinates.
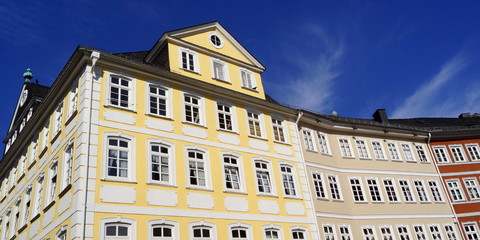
<point>71,117</point>
<point>361,202</point>
<point>120,108</point>
<point>425,202</point>
<point>381,159</point>
<point>348,157</point>
<point>267,195</point>
<point>397,160</point>
<point>49,205</point>
<point>65,190</point>
<point>254,89</point>
<point>35,217</point>
<point>159,116</point>
<point>365,158</point>
<point>192,71</point>
<point>222,80</point>
<point>32,164</point>
<point>22,228</point>
<point>11,189</point>
<point>257,137</point>
<point>56,135</point>
<point>195,124</point>
<point>323,199</point>
<point>21,177</point>
<point>410,161</point>
<point>235,192</point>
<point>424,162</point>
<point>283,143</point>
<point>162,184</point>
<point>310,150</point>
<point>108,179</point>
<point>338,200</point>
<point>44,150</point>
<point>412,202</point>
<point>199,188</point>
<point>227,131</point>
<point>378,202</point>
<point>292,197</point>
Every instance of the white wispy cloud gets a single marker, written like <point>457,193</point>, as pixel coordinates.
<point>441,95</point>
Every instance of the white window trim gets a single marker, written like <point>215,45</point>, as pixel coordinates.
<point>213,232</point>
<point>473,145</point>
<point>62,231</point>
<point>217,35</point>
<point>339,186</point>
<point>284,125</point>
<point>57,120</point>
<point>49,196</point>
<point>273,226</point>
<point>65,166</point>
<point>270,173</point>
<point>168,96</point>
<point>327,143</point>
<point>241,172</point>
<point>163,221</point>
<point>27,198</point>
<point>390,227</point>
<point>462,193</point>
<point>225,70</point>
<point>412,152</point>
<point>362,188</point>
<point>72,103</point>
<point>453,228</point>
<point>477,186</point>
<point>119,219</point>
<point>314,143</point>
<point>306,233</point>
<point>233,115</point>
<point>350,234</point>
<point>423,231</point>
<point>349,145</point>
<point>248,228</point>
<point>131,93</point>
<point>425,191</point>
<point>379,188</point>
<point>33,151</point>
<point>396,150</point>
<point>462,152</point>
<point>261,118</point>
<point>206,159</point>
<point>322,180</point>
<point>474,224</point>
<point>201,110</point>
<point>409,188</point>
<point>294,177</point>
<point>425,151</point>
<point>395,189</point>
<point>37,200</point>
<point>131,157</point>
<point>409,233</point>
<point>332,226</point>
<point>171,162</point>
<point>447,155</point>
<point>252,78</point>
<point>367,151</point>
<point>373,231</point>
<point>439,230</point>
<point>439,188</point>
<point>196,63</point>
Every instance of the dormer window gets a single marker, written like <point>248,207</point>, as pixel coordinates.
<point>248,81</point>
<point>189,60</point>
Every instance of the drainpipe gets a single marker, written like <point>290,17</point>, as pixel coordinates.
<point>299,115</point>
<point>445,189</point>
<point>90,76</point>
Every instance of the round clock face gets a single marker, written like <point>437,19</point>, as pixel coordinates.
<point>23,98</point>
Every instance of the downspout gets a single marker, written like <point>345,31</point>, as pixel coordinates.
<point>455,218</point>
<point>94,57</point>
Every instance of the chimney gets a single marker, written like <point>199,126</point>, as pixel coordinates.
<point>380,116</point>
<point>465,115</point>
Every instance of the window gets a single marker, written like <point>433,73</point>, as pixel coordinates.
<point>419,232</point>
<point>374,190</point>
<point>52,183</point>
<point>161,162</point>
<point>262,171</point>
<point>220,70</point>
<point>391,190</point>
<point>231,169</point>
<point>254,124</point>
<point>192,106</point>
<point>378,150</point>
<point>57,119</point>
<point>392,149</point>
<point>437,196</point>
<point>386,232</point>
<point>322,140</point>
<point>215,40</point>
<point>158,101</point>
<point>26,206</point>
<point>163,229</point>
<point>33,150</point>
<point>328,231</point>
<point>225,117</point>
<point>189,60</point>
<point>118,158</point>
<point>421,153</point>
<point>44,136</point>
<point>422,195</point>
<point>471,230</point>
<point>278,130</point>
<point>357,189</point>
<point>435,232</point>
<point>239,233</point>
<point>197,176</point>
<point>22,165</point>
<point>441,154</point>
<point>62,233</point>
<point>450,231</point>
<point>72,99</point>
<point>308,137</point>
<point>405,187</point>
<point>319,185</point>
<point>334,187</point>
<point>457,153</point>
<point>120,92</point>
<point>407,152</point>
<point>456,192</point>
<point>13,177</point>
<point>345,232</point>
<point>299,234</point>
<point>248,80</point>
<point>473,151</point>
<point>287,180</point>
<point>6,226</point>
<point>16,217</point>
<point>117,228</point>
<point>345,147</point>
<point>403,232</point>
<point>362,148</point>
<point>67,165</point>
<point>472,188</point>
<point>38,196</point>
<point>202,233</point>
<point>368,233</point>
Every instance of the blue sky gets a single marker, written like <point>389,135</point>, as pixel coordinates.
<point>414,58</point>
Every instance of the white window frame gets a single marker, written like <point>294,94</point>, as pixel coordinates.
<point>57,119</point>
<point>337,185</point>
<point>201,108</point>
<point>421,153</point>
<point>22,164</point>
<point>274,228</point>
<point>393,151</point>
<point>168,99</point>
<point>260,121</point>
<point>450,231</point>
<point>475,234</point>
<point>52,183</point>
<point>39,187</point>
<point>435,190</point>
<point>163,222</point>
<point>224,67</point>
<point>45,133</point>
<point>16,217</point>
<point>269,171</point>
<point>241,173</point>
<point>67,165</point>
<point>6,224</point>
<point>456,192</point>
<point>27,206</point>
<point>391,189</point>
<point>202,223</point>
<point>279,130</point>
<point>331,233</point>
<point>132,226</point>
<point>406,190</point>
<point>240,225</point>
<point>323,143</point>
<point>252,85</point>
<point>408,152</point>
<point>206,165</point>
<point>472,187</point>
<point>432,234</point>
<point>131,165</point>
<point>421,190</point>
<point>131,105</point>
<point>61,233</point>
<point>378,150</point>
<point>297,229</point>
<point>362,148</point>
<point>72,103</point>
<point>319,185</point>
<point>473,151</point>
<point>309,140</point>
<point>196,63</point>
<point>441,154</point>
<point>369,236</point>
<point>293,175</point>
<point>13,178</point>
<point>421,227</point>
<point>171,162</point>
<point>374,187</point>
<point>457,153</point>
<point>345,235</point>
<point>33,151</point>
<point>357,188</point>
<point>231,113</point>
<point>407,235</point>
<point>346,149</point>
<point>387,236</point>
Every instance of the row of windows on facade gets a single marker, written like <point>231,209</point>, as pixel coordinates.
<point>161,167</point>
<point>387,232</point>
<point>71,105</point>
<point>189,62</point>
<point>363,151</point>
<point>373,186</point>
<point>25,208</point>
<point>456,190</point>
<point>160,104</point>
<point>457,151</point>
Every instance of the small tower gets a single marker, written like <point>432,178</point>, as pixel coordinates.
<point>27,75</point>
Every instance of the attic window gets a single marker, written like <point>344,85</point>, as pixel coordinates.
<point>216,41</point>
